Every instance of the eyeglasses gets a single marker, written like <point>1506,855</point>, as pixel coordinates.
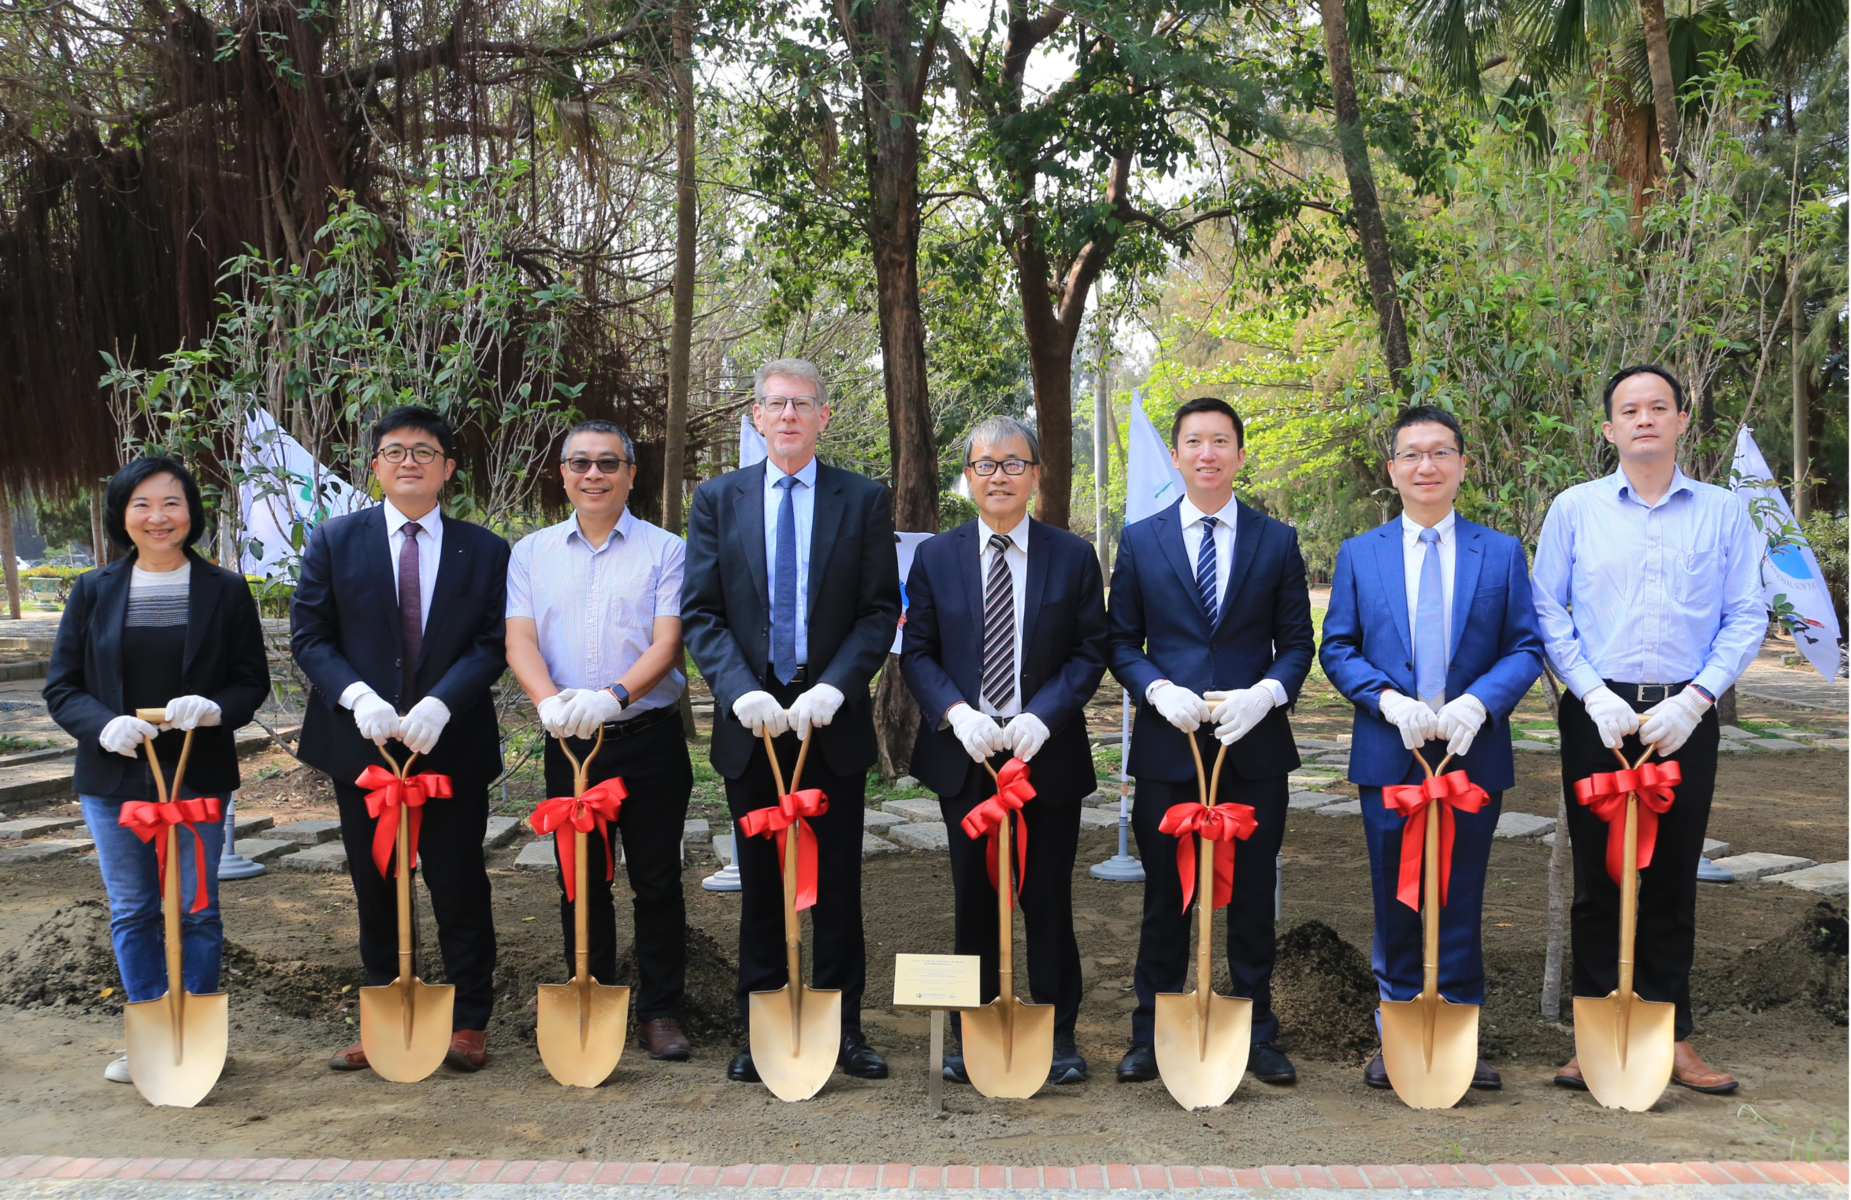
<point>986,467</point>
<point>424,456</point>
<point>1440,457</point>
<point>579,464</point>
<point>802,405</point>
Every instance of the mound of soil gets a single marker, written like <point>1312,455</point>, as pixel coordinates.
<point>1804,965</point>
<point>67,962</point>
<point>292,987</point>
<point>1325,995</point>
<point>708,1011</point>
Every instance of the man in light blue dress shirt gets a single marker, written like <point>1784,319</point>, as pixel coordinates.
<point>1648,594</point>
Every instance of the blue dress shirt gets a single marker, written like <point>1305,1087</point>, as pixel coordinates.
<point>804,499</point>
<point>1649,593</point>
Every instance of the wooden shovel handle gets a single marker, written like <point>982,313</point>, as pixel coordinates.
<point>1629,876</point>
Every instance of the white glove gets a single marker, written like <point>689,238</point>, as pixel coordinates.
<point>423,725</point>
<point>1025,735</point>
<point>553,713</point>
<point>1179,706</point>
<point>1669,723</point>
<point>980,735</point>
<point>1239,711</point>
<point>190,712</point>
<point>815,708</point>
<point>376,719</point>
<point>1612,716</point>
<point>761,714</point>
<point>123,735</point>
<point>1459,722</point>
<point>1418,723</point>
<point>590,709</point>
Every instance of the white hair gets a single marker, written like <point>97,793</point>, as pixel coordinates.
<point>789,368</point>
<point>992,430</point>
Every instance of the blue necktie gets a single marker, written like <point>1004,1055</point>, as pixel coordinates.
<point>784,586</point>
<point>1430,626</point>
<point>1205,569</point>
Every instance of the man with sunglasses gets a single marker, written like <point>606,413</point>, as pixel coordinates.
<point>1031,598</point>
<point>594,636</point>
<point>791,595</point>
<point>397,622</point>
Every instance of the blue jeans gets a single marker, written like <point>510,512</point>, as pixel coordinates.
<point>132,879</point>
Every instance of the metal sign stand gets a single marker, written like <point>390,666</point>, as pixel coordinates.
<point>1121,867</point>
<point>233,865</point>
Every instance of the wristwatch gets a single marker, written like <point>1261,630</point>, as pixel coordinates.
<point>622,693</point>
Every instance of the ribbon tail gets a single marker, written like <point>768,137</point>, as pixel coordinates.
<point>565,844</point>
<point>1447,831</point>
<point>417,823</point>
<point>1021,857</point>
<point>385,835</point>
<point>1185,866</point>
<point>1616,847</point>
<point>1224,873</point>
<point>1413,845</point>
<point>1648,834</point>
<point>806,864</point>
<point>199,868</point>
<point>610,859</point>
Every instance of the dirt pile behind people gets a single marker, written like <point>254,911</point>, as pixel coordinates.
<point>67,962</point>
<point>1805,965</point>
<point>1324,994</point>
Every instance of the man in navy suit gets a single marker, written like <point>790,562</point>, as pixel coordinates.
<point>790,595</point>
<point>1209,604</point>
<point>399,611</point>
<point>1432,635</point>
<point>1030,597</point>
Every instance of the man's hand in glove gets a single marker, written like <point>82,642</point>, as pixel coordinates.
<point>1239,711</point>
<point>376,718</point>
<point>553,713</point>
<point>1179,706</point>
<point>1459,722</point>
<point>1669,723</point>
<point>1613,717</point>
<point>815,708</point>
<point>1025,735</point>
<point>761,714</point>
<point>423,725</point>
<point>591,708</point>
<point>1418,723</point>
<point>123,735</point>
<point>191,712</point>
<point>980,735</point>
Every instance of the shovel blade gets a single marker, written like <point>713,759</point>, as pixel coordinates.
<point>795,1072</point>
<point>1008,1055</point>
<point>1626,1059</point>
<point>392,1054</point>
<point>600,1013</point>
<point>1197,1079</point>
<point>1439,1080</point>
<point>177,1074</point>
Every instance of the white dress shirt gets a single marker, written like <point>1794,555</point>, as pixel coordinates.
<point>430,550</point>
<point>803,499</point>
<point>1413,554</point>
<point>1016,558</point>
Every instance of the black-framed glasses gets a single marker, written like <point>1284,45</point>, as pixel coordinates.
<point>986,467</point>
<point>579,464</point>
<point>424,456</point>
<point>1440,457</point>
<point>803,405</point>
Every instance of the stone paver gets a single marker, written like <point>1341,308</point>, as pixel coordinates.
<point>1528,746</point>
<point>871,845</point>
<point>696,829</point>
<point>906,781</point>
<point>1349,808</point>
<point>329,856</point>
<point>1826,879</point>
<point>538,855</point>
<point>1522,825</point>
<point>723,846</point>
<point>264,849</point>
<point>39,851</point>
<point>29,827</point>
<point>501,831</point>
<point>922,835</point>
<point>1308,745</point>
<point>1305,781</point>
<point>1834,744</point>
<point>1099,818</point>
<point>1108,799</point>
<point>308,833</point>
<point>1339,759</point>
<point>915,809</point>
<point>249,824</point>
<point>1736,733</point>
<point>1312,799</point>
<point>876,821</point>
<point>1776,745</point>
<point>1749,867</point>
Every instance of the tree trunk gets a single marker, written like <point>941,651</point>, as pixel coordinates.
<point>1050,361</point>
<point>681,331</point>
<point>10,563</point>
<point>99,541</point>
<point>1364,203</point>
<point>1102,464</point>
<point>1802,401</point>
<point>1551,1000</point>
<point>896,716</point>
<point>1664,89</point>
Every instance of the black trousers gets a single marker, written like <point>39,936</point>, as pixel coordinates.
<point>653,761</point>
<point>1045,904</point>
<point>1163,942</point>
<point>1666,938</point>
<point>839,953</point>
<point>450,859</point>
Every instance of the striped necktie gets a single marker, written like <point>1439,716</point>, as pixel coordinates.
<point>1205,570</point>
<point>999,683</point>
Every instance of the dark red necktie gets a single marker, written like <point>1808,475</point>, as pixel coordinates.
<point>410,612</point>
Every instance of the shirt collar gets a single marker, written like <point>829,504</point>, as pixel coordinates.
<point>430,522</point>
<point>1622,486</point>
<point>806,475</point>
<point>1190,514</point>
<point>1410,528</point>
<point>621,530</point>
<point>1018,535</point>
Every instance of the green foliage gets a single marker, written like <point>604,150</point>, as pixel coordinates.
<point>954,510</point>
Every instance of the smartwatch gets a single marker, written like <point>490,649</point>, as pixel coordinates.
<point>622,693</point>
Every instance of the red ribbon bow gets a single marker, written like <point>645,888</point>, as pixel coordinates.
<point>985,821</point>
<point>1222,825</point>
<point>1606,794</point>
<point>597,808</point>
<point>792,808</point>
<point>1451,791</point>
<point>149,819</point>
<point>389,792</point>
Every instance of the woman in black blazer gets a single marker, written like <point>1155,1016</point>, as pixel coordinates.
<point>161,628</point>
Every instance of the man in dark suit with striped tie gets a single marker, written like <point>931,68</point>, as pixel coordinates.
<point>1030,595</point>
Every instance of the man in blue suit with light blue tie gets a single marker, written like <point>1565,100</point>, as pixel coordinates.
<point>1432,635</point>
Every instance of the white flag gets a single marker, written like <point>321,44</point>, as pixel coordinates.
<point>751,444</point>
<point>1152,482</point>
<point>285,493</point>
<point>1789,571</point>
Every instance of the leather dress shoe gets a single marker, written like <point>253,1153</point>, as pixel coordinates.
<point>1270,1065</point>
<point>741,1070</point>
<point>1068,1065</point>
<point>1569,1076</point>
<point>1139,1064</point>
<point>954,1069</point>
<point>665,1040</point>
<point>1485,1077</point>
<point>351,1059</point>
<point>1689,1070</point>
<point>859,1059</point>
<point>1376,1073</point>
<point>468,1050</point>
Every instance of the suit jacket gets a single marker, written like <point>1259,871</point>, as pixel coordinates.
<point>224,662</point>
<point>344,627</point>
<point>1496,651</point>
<point>1062,653</point>
<point>853,603</point>
<point>1159,630</point>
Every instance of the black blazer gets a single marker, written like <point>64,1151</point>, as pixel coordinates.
<point>1062,653</point>
<point>224,662</point>
<point>344,627</point>
<point>853,603</point>
<point>1159,630</point>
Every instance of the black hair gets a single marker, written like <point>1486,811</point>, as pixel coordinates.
<point>1208,404</point>
<point>610,427</point>
<point>416,416</point>
<point>1619,377</point>
<point>1426,414</point>
<point>122,487</point>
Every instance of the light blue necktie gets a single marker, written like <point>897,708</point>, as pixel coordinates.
<point>1205,569</point>
<point>1430,626</point>
<point>784,586</point>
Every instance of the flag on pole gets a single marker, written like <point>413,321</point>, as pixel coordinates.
<point>1152,482</point>
<point>285,493</point>
<point>751,444</point>
<point>1790,577</point>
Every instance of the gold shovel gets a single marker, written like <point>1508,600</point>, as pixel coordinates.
<point>405,1024</point>
<point>177,1042</point>
<point>796,1031</point>
<point>1625,1045</point>
<point>1201,1038</point>
<point>1008,1045</point>
<point>580,1027</point>
<point>1430,1044</point>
